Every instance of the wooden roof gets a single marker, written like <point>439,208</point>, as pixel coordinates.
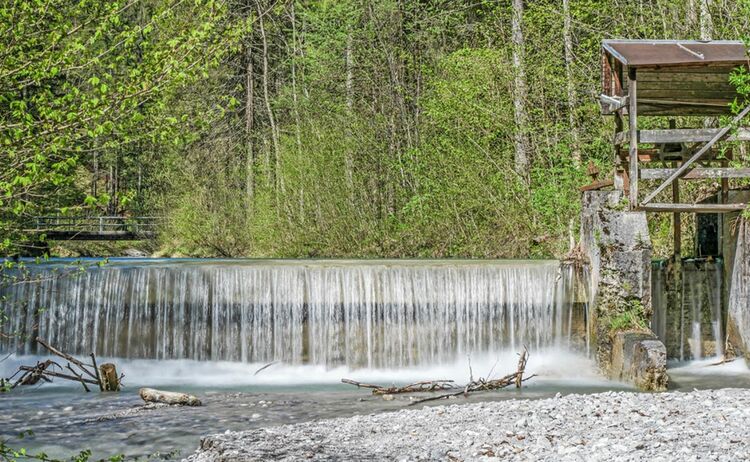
<point>674,77</point>
<point>657,53</point>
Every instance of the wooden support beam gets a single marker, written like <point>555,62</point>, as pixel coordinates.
<point>681,135</point>
<point>597,185</point>
<point>633,129</point>
<point>696,173</point>
<point>689,135</point>
<point>684,167</point>
<point>693,208</point>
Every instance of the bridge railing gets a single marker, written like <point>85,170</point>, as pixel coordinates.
<point>96,224</point>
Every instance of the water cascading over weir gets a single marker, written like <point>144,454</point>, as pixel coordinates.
<point>358,313</point>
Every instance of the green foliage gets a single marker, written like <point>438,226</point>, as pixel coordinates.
<point>630,317</point>
<point>91,83</point>
<point>342,128</point>
<point>10,454</point>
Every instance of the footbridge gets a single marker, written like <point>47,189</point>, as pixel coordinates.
<point>95,228</point>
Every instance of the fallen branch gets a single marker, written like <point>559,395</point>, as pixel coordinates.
<point>32,374</point>
<point>96,371</point>
<point>417,387</point>
<point>265,367</point>
<point>85,387</point>
<point>45,372</point>
<point>724,360</point>
<point>55,351</point>
<point>482,384</point>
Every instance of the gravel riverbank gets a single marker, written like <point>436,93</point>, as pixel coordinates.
<point>699,425</point>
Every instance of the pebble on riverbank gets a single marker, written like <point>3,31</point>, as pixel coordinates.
<point>612,426</point>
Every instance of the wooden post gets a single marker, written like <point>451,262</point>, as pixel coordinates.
<point>677,262</point>
<point>633,118</point>
<point>725,181</point>
<point>108,377</point>
<point>676,217</point>
<point>619,180</point>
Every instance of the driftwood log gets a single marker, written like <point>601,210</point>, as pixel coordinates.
<point>151,395</point>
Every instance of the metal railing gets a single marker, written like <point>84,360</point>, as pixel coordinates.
<point>96,224</point>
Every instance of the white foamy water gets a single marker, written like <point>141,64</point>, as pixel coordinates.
<point>548,366</point>
<point>352,314</point>
<point>711,367</point>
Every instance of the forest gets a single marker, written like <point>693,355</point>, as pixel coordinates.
<point>348,128</point>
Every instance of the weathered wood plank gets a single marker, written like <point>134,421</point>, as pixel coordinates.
<point>683,109</point>
<point>714,77</point>
<point>707,68</point>
<point>693,208</point>
<point>682,94</point>
<point>688,135</point>
<point>695,174</point>
<point>681,135</point>
<point>686,85</point>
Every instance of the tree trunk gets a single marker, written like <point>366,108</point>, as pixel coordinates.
<point>519,92</point>
<point>297,129</point>
<point>692,14</point>
<point>349,161</point>
<point>295,103</point>
<point>108,376</point>
<point>707,22</point>
<point>572,100</point>
<point>276,172</point>
<point>249,125</point>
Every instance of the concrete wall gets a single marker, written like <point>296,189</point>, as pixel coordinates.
<point>738,311</point>
<point>617,245</point>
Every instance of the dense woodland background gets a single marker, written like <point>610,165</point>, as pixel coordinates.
<point>396,128</point>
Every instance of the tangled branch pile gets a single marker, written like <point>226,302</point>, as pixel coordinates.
<point>481,384</point>
<point>104,376</point>
<point>417,387</point>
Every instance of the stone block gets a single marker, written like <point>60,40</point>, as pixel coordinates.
<point>648,369</point>
<point>640,358</point>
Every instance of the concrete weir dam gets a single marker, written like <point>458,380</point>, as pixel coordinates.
<point>361,314</point>
<point>371,314</point>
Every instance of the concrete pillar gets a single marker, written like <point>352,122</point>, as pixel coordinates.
<point>618,246</point>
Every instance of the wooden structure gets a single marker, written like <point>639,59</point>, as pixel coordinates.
<point>646,78</point>
<point>95,228</point>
